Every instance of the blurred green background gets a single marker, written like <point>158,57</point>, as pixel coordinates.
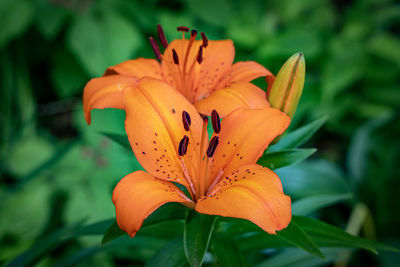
<point>56,171</point>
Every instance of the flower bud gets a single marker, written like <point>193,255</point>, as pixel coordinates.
<point>288,85</point>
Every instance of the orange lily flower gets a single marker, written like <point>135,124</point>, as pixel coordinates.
<point>170,140</point>
<point>201,70</point>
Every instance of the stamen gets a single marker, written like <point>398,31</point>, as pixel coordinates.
<point>212,146</point>
<point>175,57</point>
<point>183,144</point>
<point>200,55</point>
<point>155,47</point>
<point>161,35</point>
<point>186,120</point>
<point>193,33</point>
<point>205,40</point>
<point>216,123</point>
<point>183,29</point>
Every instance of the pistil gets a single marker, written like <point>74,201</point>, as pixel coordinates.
<point>193,35</point>
<point>201,184</point>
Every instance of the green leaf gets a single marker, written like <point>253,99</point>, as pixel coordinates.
<point>310,204</point>
<point>197,234</point>
<point>171,255</point>
<point>120,139</point>
<point>296,236</point>
<point>298,258</point>
<point>49,18</point>
<point>357,158</point>
<point>31,255</point>
<point>112,233</point>
<point>286,157</point>
<point>167,218</point>
<point>87,41</point>
<point>15,17</point>
<point>251,237</point>
<point>218,15</point>
<point>155,226</point>
<point>226,251</point>
<point>299,136</point>
<point>313,177</point>
<point>143,246</point>
<point>386,46</point>
<point>97,44</point>
<point>326,235</point>
<point>291,41</point>
<point>67,75</point>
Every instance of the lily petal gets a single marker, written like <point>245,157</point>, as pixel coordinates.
<point>105,92</point>
<point>137,195</point>
<point>238,95</point>
<point>217,61</point>
<point>253,193</point>
<point>244,71</point>
<point>244,136</point>
<point>154,128</point>
<point>138,68</point>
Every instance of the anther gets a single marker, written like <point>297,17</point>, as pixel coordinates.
<point>175,57</point>
<point>155,47</point>
<point>205,40</point>
<point>212,146</point>
<point>183,29</point>
<point>186,120</point>
<point>183,144</point>
<point>193,33</point>
<point>216,123</point>
<point>200,55</point>
<point>161,35</point>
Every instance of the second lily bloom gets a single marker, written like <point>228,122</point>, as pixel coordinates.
<point>201,70</point>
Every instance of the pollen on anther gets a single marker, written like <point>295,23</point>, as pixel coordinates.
<point>183,144</point>
<point>186,120</point>
<point>175,57</point>
<point>200,55</point>
<point>212,146</point>
<point>205,40</point>
<point>183,29</point>
<point>215,120</point>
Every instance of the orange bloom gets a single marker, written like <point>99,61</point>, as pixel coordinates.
<point>170,140</point>
<point>201,70</point>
